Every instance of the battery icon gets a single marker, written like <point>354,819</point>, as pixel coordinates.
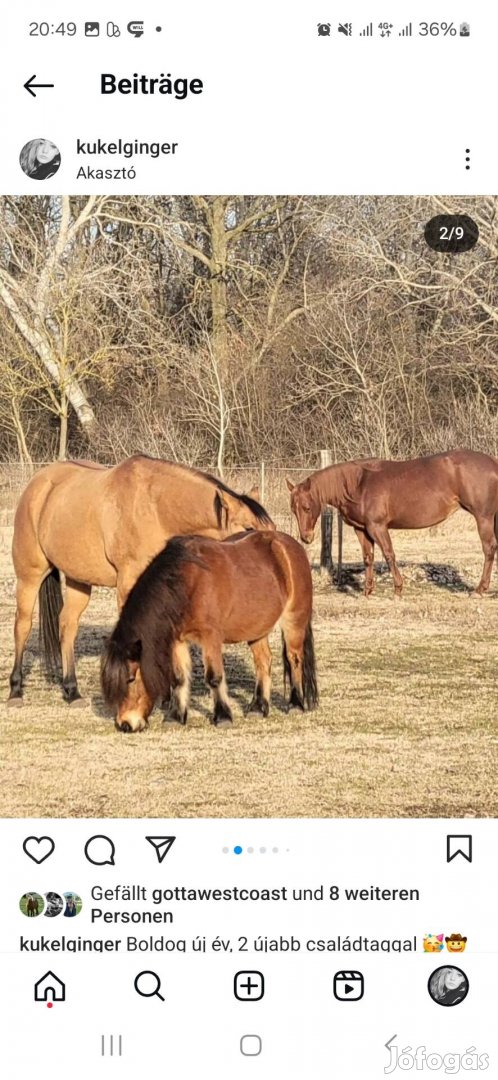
<point>464,29</point>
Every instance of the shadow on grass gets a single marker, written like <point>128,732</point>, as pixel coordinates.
<point>351,578</point>
<point>445,576</point>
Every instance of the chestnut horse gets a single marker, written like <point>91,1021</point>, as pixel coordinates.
<point>210,593</point>
<point>374,496</point>
<point>102,526</point>
<point>32,906</point>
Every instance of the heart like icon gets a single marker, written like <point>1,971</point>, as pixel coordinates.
<point>38,848</point>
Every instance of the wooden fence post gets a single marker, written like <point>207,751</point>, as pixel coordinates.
<point>327,522</point>
<point>340,525</point>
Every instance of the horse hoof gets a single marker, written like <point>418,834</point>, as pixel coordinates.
<point>174,721</point>
<point>78,703</point>
<point>224,722</point>
<point>14,702</point>
<point>257,706</point>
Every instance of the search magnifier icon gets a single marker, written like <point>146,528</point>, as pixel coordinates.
<point>148,984</point>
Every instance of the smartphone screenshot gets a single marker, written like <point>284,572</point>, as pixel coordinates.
<point>248,540</point>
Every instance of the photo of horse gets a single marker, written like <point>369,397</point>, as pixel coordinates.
<point>248,508</point>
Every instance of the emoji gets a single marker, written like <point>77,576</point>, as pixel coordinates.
<point>433,942</point>
<point>456,943</point>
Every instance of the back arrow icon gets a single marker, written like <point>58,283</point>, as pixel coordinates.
<point>30,86</point>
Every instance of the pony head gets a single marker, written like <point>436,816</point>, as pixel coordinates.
<point>239,513</point>
<point>305,507</point>
<point>123,686</point>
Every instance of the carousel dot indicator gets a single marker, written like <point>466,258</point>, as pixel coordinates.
<point>262,851</point>
<point>225,850</point>
<point>237,850</point>
<point>250,851</point>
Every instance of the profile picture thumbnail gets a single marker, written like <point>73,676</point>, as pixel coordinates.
<point>54,904</point>
<point>448,985</point>
<point>32,904</point>
<point>40,159</point>
<point>72,904</point>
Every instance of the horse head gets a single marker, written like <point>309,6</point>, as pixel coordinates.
<point>305,507</point>
<point>123,686</point>
<point>240,513</point>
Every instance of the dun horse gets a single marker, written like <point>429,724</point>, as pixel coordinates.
<point>375,496</point>
<point>198,590</point>
<point>102,526</point>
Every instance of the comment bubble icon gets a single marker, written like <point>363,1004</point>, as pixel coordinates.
<point>100,850</point>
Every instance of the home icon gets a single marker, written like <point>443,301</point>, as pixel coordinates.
<point>50,988</point>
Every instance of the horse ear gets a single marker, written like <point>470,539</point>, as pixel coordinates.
<point>290,485</point>
<point>254,493</point>
<point>221,498</point>
<point>227,501</point>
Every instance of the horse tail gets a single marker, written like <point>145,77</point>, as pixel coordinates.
<point>114,672</point>
<point>286,665</point>
<point>310,685</point>
<point>50,607</point>
<point>309,680</point>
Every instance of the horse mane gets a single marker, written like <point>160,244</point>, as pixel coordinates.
<point>149,623</point>
<point>85,464</point>
<point>252,504</point>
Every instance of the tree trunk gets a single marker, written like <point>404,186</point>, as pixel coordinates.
<point>36,340</point>
<point>22,445</point>
<point>219,243</point>
<point>63,429</point>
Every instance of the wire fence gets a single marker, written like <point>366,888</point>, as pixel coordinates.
<point>269,478</point>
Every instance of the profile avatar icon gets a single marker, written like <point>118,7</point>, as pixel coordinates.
<point>323,29</point>
<point>40,159</point>
<point>32,904</point>
<point>54,904</point>
<point>448,986</point>
<point>73,905</point>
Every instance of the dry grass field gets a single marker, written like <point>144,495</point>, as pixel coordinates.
<point>407,724</point>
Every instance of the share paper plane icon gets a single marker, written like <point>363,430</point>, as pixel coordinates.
<point>161,845</point>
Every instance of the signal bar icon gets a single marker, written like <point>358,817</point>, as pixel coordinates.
<point>368,31</point>
<point>407,32</point>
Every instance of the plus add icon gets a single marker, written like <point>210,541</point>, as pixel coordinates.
<point>249,985</point>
